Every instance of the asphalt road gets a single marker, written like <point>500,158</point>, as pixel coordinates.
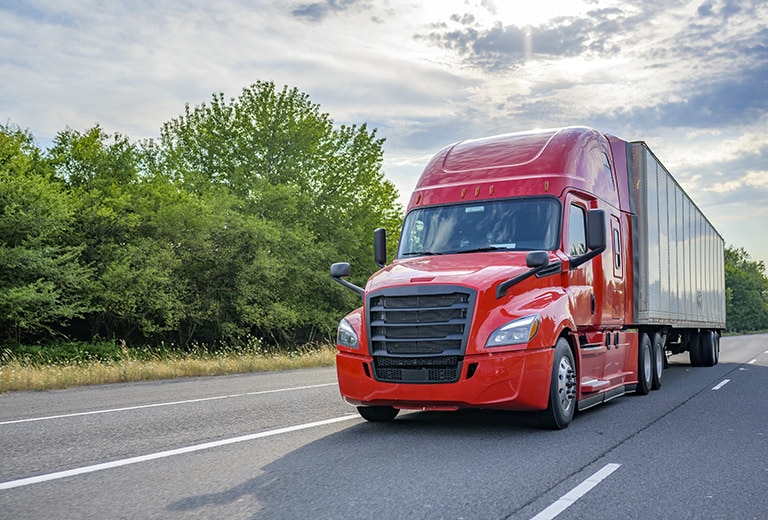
<point>284,446</point>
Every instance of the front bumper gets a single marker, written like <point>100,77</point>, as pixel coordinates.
<point>504,380</point>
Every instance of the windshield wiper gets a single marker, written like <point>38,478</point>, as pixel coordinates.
<point>421,253</point>
<point>483,249</point>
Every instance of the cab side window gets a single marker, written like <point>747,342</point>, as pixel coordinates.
<point>577,231</point>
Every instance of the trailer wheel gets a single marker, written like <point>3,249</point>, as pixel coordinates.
<point>659,359</point>
<point>717,347</point>
<point>695,353</point>
<point>644,365</point>
<point>562,389</point>
<point>378,413</point>
<point>710,348</point>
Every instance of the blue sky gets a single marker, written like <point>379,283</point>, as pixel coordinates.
<point>688,77</point>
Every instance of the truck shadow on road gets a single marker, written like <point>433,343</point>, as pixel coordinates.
<point>420,465</point>
<point>394,465</point>
<point>403,466</point>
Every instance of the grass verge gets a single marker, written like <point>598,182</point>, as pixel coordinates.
<point>30,370</point>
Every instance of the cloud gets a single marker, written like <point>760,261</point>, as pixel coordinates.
<point>688,77</point>
<point>504,47</point>
<point>317,11</point>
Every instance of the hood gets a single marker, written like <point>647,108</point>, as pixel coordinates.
<point>479,271</point>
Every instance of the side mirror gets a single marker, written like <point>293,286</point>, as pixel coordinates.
<point>597,237</point>
<point>380,246</point>
<point>340,270</point>
<point>536,259</point>
<point>596,230</point>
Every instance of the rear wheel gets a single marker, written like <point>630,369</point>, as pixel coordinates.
<point>710,348</point>
<point>562,389</point>
<point>717,347</point>
<point>378,413</point>
<point>694,349</point>
<point>658,361</point>
<point>644,365</point>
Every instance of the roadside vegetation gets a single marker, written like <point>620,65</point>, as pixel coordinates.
<point>185,248</point>
<point>746,292</point>
<point>74,364</point>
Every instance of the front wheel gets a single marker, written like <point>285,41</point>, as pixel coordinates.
<point>562,389</point>
<point>378,413</point>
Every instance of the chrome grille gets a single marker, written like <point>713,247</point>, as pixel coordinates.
<point>419,323</point>
<point>419,334</point>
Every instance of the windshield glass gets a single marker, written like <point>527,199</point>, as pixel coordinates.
<point>505,225</point>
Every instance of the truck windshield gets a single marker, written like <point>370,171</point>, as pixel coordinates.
<point>500,225</point>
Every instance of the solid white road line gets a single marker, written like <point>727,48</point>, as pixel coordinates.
<point>172,403</point>
<point>721,384</point>
<point>170,453</point>
<point>752,361</point>
<point>576,493</point>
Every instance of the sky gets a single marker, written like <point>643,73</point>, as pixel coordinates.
<point>690,78</point>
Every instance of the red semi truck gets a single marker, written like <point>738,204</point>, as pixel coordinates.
<point>545,271</point>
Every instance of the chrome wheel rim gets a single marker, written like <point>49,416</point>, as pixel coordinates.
<point>566,384</point>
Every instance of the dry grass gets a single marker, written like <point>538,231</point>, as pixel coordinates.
<point>21,375</point>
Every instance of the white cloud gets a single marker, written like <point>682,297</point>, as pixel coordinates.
<point>752,179</point>
<point>688,77</point>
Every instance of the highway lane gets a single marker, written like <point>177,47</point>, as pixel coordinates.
<point>686,451</point>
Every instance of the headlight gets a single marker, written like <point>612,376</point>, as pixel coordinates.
<point>346,336</point>
<point>515,332</point>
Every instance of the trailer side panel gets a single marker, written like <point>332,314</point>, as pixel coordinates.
<point>678,253</point>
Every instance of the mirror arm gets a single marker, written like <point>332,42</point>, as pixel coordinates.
<point>350,286</point>
<point>586,257</point>
<point>503,287</point>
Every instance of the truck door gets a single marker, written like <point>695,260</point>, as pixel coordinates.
<point>581,290</point>
<point>581,281</point>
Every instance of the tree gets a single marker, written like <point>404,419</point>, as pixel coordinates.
<point>301,194</point>
<point>746,291</point>
<point>136,291</point>
<point>223,227</point>
<point>43,285</point>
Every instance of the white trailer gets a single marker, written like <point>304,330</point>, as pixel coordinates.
<point>679,281</point>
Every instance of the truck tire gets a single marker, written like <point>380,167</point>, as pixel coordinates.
<point>378,413</point>
<point>694,349</point>
<point>562,389</point>
<point>717,346</point>
<point>644,365</point>
<point>659,359</point>
<point>710,348</point>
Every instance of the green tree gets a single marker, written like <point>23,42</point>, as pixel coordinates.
<point>136,288</point>
<point>746,291</point>
<point>304,194</point>
<point>43,285</point>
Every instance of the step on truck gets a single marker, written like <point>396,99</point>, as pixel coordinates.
<point>545,271</point>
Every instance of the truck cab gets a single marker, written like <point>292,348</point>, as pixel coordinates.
<point>511,286</point>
